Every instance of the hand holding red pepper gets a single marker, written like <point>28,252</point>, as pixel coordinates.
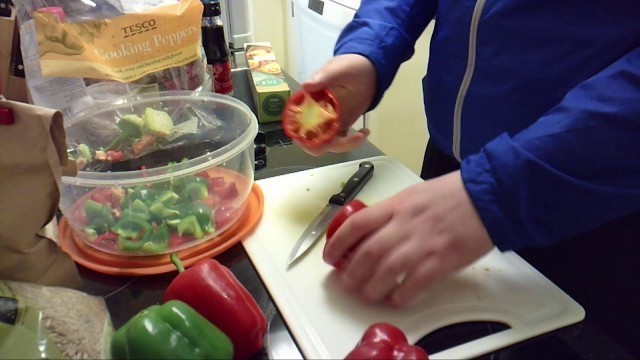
<point>346,212</point>
<point>311,118</point>
<point>213,291</point>
<point>352,78</point>
<point>385,341</point>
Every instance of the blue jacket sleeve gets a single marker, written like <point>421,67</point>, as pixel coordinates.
<point>573,170</point>
<point>385,32</point>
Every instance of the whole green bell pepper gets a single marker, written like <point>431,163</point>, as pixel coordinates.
<point>172,330</point>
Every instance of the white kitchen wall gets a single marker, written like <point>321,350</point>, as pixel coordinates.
<point>270,25</point>
<point>398,125</point>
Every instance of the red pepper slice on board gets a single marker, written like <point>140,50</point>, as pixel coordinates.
<point>215,293</point>
<point>347,210</point>
<point>311,118</point>
<point>385,341</point>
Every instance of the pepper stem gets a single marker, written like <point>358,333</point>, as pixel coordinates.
<point>176,262</point>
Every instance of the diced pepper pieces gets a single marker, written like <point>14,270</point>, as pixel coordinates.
<point>190,226</point>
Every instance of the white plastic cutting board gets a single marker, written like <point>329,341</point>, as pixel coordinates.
<point>327,323</point>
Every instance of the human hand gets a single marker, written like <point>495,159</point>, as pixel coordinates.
<point>352,78</point>
<point>421,235</point>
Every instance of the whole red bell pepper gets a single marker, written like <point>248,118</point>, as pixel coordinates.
<point>213,291</point>
<point>385,341</point>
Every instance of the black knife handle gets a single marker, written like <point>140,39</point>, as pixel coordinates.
<point>354,184</point>
<point>5,10</point>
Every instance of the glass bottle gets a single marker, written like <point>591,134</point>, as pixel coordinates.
<point>216,48</point>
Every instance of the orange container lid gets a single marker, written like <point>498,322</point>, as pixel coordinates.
<point>113,264</point>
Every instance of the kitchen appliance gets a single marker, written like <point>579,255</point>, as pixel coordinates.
<point>327,323</point>
<point>238,19</point>
<point>319,224</point>
<point>314,29</point>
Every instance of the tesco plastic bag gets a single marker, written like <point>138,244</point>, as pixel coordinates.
<point>81,52</point>
<point>46,322</point>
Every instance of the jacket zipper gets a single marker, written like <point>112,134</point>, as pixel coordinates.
<point>466,80</point>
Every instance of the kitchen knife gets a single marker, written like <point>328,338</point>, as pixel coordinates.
<point>319,225</point>
<point>5,10</point>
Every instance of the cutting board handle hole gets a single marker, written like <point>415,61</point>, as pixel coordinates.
<point>459,333</point>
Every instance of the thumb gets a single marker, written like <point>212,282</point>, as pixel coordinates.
<point>316,83</point>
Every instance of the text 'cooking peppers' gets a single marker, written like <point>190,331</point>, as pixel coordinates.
<point>170,331</point>
<point>213,291</point>
<point>385,341</point>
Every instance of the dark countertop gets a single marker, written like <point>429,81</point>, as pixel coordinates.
<point>589,339</point>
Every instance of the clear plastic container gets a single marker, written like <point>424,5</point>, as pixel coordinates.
<point>182,189</point>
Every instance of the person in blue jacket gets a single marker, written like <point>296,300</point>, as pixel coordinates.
<point>533,112</point>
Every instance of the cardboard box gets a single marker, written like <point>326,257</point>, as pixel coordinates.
<point>269,87</point>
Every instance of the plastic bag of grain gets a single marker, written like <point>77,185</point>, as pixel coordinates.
<point>52,322</point>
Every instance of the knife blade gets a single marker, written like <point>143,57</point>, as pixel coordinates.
<point>318,226</point>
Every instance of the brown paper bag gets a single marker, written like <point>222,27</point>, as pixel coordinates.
<point>32,159</point>
<point>12,75</point>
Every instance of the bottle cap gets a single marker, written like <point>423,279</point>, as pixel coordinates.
<point>211,8</point>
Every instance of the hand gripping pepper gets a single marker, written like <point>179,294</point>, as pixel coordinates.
<point>213,291</point>
<point>385,341</point>
<point>172,330</point>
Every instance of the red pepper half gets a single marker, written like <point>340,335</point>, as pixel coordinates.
<point>311,118</point>
<point>385,341</point>
<point>215,293</point>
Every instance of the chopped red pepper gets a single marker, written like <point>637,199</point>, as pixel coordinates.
<point>176,240</point>
<point>114,156</point>
<point>106,240</point>
<point>225,190</point>
<point>224,215</point>
<point>385,341</point>
<point>213,291</point>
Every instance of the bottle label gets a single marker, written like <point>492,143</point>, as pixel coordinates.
<point>222,81</point>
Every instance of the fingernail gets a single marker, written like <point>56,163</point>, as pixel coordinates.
<point>327,259</point>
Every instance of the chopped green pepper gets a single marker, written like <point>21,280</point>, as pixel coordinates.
<point>142,193</point>
<point>203,214</point>
<point>190,225</point>
<point>130,224</point>
<point>172,330</point>
<point>196,190</point>
<point>99,216</point>
<point>160,208</point>
<point>139,208</point>
<point>95,210</point>
<point>156,122</point>
<point>129,245</point>
<point>160,211</point>
<point>130,128</point>
<point>83,152</point>
<point>159,241</point>
<point>153,241</point>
